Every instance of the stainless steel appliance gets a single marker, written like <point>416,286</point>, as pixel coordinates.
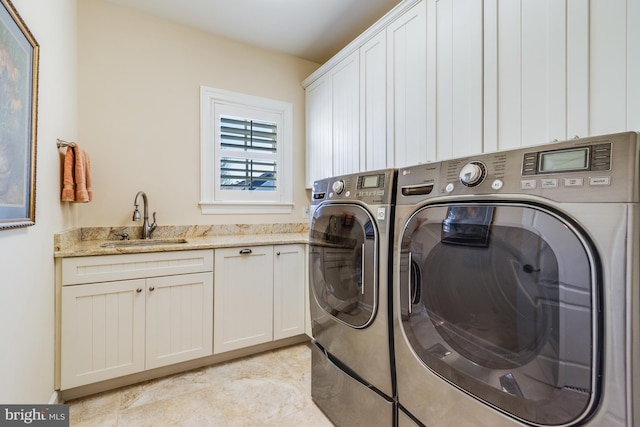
<point>516,287</point>
<point>349,261</point>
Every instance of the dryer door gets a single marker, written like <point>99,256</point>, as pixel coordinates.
<point>500,300</point>
<point>343,263</point>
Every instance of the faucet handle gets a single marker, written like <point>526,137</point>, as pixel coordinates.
<point>153,225</point>
<point>123,236</point>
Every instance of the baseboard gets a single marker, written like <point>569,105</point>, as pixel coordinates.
<point>89,389</point>
<point>55,398</point>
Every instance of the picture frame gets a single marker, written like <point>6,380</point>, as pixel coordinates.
<point>19,54</point>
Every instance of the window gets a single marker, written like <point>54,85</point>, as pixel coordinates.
<point>246,153</point>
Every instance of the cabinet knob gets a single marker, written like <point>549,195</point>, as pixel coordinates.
<point>152,288</point>
<point>278,253</point>
<point>139,290</point>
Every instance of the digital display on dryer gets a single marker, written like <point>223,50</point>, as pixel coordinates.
<point>370,181</point>
<point>564,160</point>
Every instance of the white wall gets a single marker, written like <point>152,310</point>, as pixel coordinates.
<point>139,92</point>
<point>26,254</point>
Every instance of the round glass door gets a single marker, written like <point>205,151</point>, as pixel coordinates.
<point>499,300</point>
<point>343,251</point>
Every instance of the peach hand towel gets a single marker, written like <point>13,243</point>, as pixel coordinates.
<point>68,185</point>
<point>77,176</point>
<point>84,192</point>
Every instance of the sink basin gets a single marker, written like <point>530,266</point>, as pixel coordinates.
<point>142,242</point>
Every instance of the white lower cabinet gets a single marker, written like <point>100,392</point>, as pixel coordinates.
<point>289,290</point>
<point>119,327</point>
<point>259,295</point>
<point>125,314</point>
<point>102,331</point>
<point>179,319</point>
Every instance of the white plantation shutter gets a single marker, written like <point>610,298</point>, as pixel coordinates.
<point>250,152</point>
<point>246,145</point>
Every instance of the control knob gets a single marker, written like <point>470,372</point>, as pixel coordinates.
<point>472,174</point>
<point>338,186</point>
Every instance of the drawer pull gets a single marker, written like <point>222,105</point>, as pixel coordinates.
<point>245,251</point>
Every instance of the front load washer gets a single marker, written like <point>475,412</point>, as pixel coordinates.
<point>349,265</point>
<point>516,287</point>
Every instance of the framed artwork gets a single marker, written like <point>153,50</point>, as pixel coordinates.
<point>18,114</point>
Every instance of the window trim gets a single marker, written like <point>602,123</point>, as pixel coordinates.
<point>210,200</point>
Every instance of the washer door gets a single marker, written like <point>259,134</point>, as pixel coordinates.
<point>343,262</point>
<point>499,300</point>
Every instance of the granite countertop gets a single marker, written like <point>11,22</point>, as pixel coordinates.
<point>90,241</point>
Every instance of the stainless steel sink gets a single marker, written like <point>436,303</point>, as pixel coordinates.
<point>142,242</point>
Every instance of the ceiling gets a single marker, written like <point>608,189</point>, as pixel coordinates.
<point>310,29</point>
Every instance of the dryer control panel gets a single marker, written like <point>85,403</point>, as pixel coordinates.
<point>602,169</point>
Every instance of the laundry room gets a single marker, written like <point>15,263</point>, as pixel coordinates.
<point>381,212</point>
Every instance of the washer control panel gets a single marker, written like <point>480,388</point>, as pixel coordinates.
<point>579,170</point>
<point>373,188</point>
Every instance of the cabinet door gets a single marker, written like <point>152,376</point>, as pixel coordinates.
<point>179,318</point>
<point>289,283</point>
<point>633,66</point>
<point>536,71</point>
<point>319,130</point>
<point>102,331</point>
<point>454,44</point>
<point>243,297</point>
<point>614,55</point>
<point>345,112</point>
<point>410,124</point>
<point>373,104</point>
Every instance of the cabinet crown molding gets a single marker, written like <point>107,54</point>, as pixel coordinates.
<point>380,25</point>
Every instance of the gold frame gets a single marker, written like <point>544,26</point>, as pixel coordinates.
<point>19,54</point>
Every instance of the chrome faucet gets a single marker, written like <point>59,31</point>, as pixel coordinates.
<point>147,229</point>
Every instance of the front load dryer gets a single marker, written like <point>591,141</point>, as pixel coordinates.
<point>516,287</point>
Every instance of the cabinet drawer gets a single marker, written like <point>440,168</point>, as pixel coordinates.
<point>105,268</point>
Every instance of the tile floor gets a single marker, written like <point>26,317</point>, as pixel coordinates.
<point>268,389</point>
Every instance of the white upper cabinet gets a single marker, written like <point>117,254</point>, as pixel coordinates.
<point>366,107</point>
<point>454,75</point>
<point>373,104</point>
<point>410,127</point>
<point>333,121</point>
<point>633,65</point>
<point>470,76</point>
<point>615,66</point>
<point>345,107</point>
<point>319,130</point>
<point>536,83</point>
<point>559,69</point>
